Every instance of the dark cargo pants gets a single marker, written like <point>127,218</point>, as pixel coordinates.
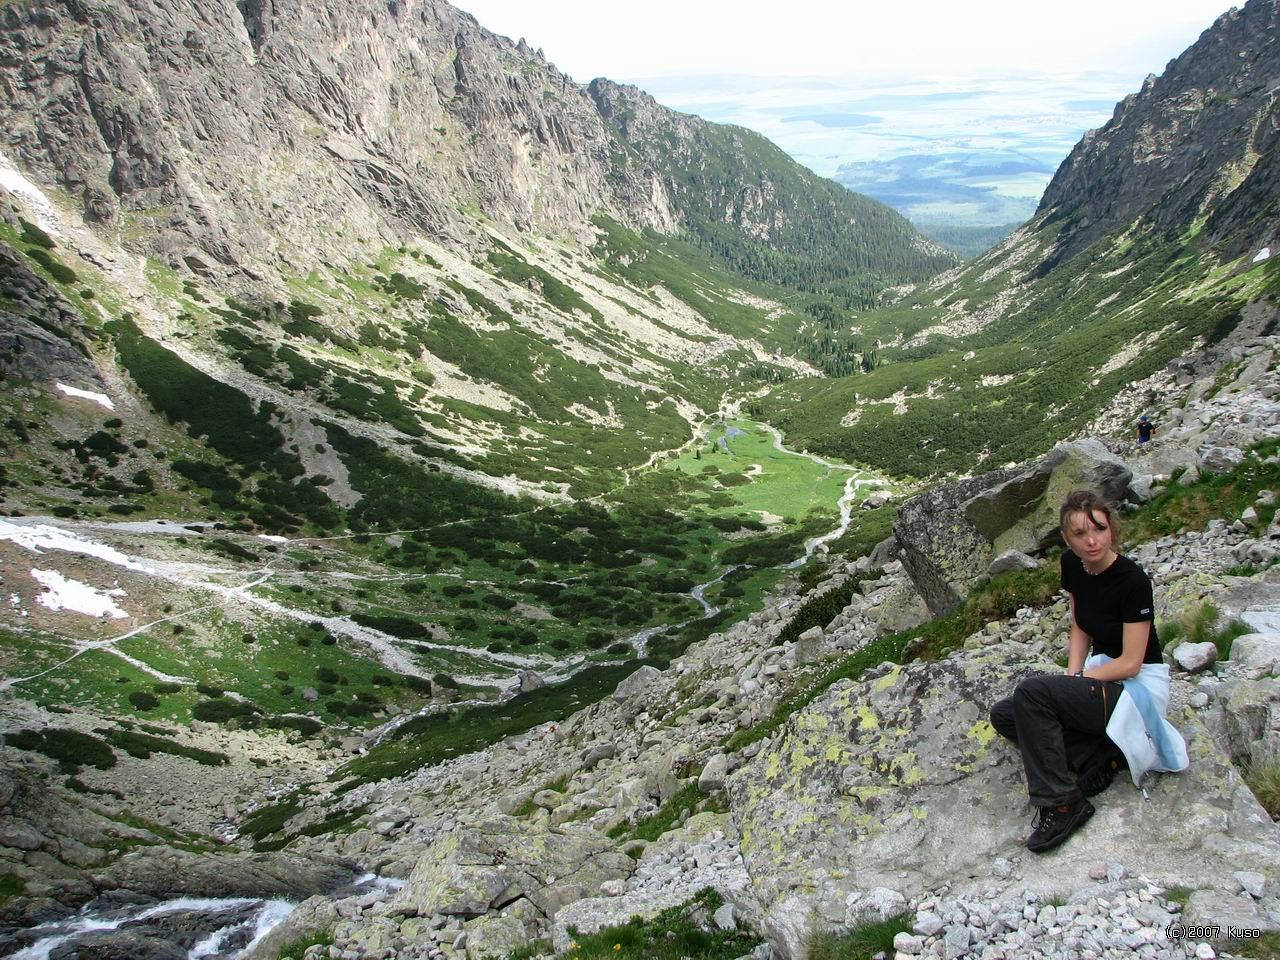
<point>1059,723</point>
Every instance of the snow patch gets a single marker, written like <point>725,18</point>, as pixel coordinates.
<point>272,538</point>
<point>64,593</point>
<point>101,398</point>
<point>42,536</point>
<point>15,182</point>
<point>1263,254</point>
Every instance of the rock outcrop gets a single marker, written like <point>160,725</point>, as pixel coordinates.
<point>1198,141</point>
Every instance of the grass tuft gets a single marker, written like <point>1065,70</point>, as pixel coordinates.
<point>1264,781</point>
<point>863,942</point>
<point>684,932</point>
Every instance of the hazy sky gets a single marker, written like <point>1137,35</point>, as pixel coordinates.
<point>929,38</point>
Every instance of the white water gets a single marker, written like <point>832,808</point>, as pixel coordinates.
<point>269,914</point>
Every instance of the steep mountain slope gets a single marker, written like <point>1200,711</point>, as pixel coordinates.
<point>1196,144</point>
<point>761,214</point>
<point>1155,234</point>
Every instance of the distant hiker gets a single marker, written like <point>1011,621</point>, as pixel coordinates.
<point>1146,430</point>
<point>1075,730</point>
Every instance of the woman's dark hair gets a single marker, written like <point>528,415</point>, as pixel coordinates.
<point>1090,504</point>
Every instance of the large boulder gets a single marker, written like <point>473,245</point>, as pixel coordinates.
<point>899,781</point>
<point>942,551</point>
<point>950,535</point>
<point>493,864</point>
<point>1022,513</point>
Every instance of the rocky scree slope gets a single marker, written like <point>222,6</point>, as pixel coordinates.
<point>882,789</point>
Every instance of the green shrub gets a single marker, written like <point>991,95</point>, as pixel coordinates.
<point>144,701</point>
<point>71,748</point>
<point>268,820</point>
<point>35,236</point>
<point>56,268</point>
<point>223,710</point>
<point>307,726</point>
<point>11,886</point>
<point>166,686</point>
<point>209,690</point>
<point>142,745</point>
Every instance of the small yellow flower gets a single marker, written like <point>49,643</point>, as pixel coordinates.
<point>617,946</point>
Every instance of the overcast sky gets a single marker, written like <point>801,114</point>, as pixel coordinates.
<point>922,38</point>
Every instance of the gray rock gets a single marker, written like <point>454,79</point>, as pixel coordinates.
<point>310,694</point>
<point>597,752</point>
<point>809,645</point>
<point>19,834</point>
<point>1213,906</point>
<point>164,873</point>
<point>879,903</point>
<point>118,945</point>
<point>942,551</point>
<point>908,943</point>
<point>492,937</point>
<point>636,683</point>
<point>1254,884</point>
<point>1010,561</point>
<point>876,499</point>
<point>1195,657</point>
<point>956,941</point>
<point>1022,512</point>
<point>1257,652</point>
<point>713,774</point>
<point>927,924</point>
<point>1216,459</point>
<point>529,680</point>
<point>726,917</point>
<point>496,861</point>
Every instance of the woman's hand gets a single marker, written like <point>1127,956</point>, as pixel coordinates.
<point>1129,662</point>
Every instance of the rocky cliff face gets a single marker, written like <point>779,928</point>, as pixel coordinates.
<point>268,131</point>
<point>1199,141</point>
<point>238,132</point>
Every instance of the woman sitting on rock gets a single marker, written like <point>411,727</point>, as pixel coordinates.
<point>1075,730</point>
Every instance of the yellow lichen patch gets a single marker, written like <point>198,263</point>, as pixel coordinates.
<point>919,813</point>
<point>812,721</point>
<point>800,760</point>
<point>889,679</point>
<point>773,767</point>
<point>865,793</point>
<point>983,732</point>
<point>867,719</point>
<point>836,753</point>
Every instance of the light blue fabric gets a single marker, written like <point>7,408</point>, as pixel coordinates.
<point>1138,725</point>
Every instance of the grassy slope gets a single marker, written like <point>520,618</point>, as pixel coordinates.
<point>1045,358</point>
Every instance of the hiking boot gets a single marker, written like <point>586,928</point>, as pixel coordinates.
<point>1099,771</point>
<point>1054,824</point>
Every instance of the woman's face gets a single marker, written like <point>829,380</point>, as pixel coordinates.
<point>1089,535</point>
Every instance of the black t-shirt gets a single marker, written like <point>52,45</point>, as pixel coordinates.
<point>1107,601</point>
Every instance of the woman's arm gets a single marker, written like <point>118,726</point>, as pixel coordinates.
<point>1078,642</point>
<point>1133,652</point>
